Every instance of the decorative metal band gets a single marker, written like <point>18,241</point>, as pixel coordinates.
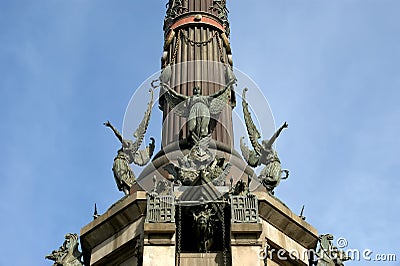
<point>214,8</point>
<point>219,6</point>
<point>175,8</point>
<point>196,19</point>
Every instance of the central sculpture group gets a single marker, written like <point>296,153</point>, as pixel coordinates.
<point>199,163</point>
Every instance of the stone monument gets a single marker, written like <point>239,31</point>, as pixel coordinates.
<point>192,203</point>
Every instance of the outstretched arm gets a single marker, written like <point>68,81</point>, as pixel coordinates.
<point>276,135</point>
<point>222,91</point>
<point>116,132</point>
<point>179,96</point>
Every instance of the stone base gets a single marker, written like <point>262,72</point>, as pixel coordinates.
<point>122,237</point>
<point>158,256</point>
<point>246,255</point>
<point>201,259</point>
<point>159,244</point>
<point>115,237</point>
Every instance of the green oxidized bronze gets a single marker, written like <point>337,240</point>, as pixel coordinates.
<point>161,187</point>
<point>174,9</point>
<point>130,153</point>
<point>204,223</point>
<point>219,6</point>
<point>263,153</point>
<point>68,254</point>
<point>328,254</point>
<point>199,162</point>
<point>241,189</point>
<point>198,108</point>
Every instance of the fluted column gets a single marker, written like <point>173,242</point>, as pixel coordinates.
<point>197,47</point>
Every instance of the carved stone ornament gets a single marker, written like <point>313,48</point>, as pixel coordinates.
<point>263,153</point>
<point>68,254</point>
<point>130,153</point>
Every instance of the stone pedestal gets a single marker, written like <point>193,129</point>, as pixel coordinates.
<point>278,238</point>
<point>122,237</point>
<point>201,259</point>
<point>115,238</point>
<point>159,244</point>
<point>288,238</point>
<point>246,244</point>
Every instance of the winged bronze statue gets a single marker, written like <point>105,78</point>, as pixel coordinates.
<point>263,152</point>
<point>130,153</point>
<point>198,108</point>
<point>68,253</point>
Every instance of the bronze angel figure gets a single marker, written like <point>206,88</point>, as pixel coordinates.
<point>68,253</point>
<point>263,153</point>
<point>130,153</point>
<point>198,108</point>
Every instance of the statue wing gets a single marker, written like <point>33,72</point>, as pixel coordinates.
<point>254,134</point>
<point>229,75</point>
<point>219,180</point>
<point>177,102</point>
<point>142,128</point>
<point>219,100</point>
<point>250,156</point>
<point>142,157</point>
<point>166,74</point>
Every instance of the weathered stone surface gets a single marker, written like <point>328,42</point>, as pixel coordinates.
<point>281,217</point>
<point>201,259</point>
<point>272,263</point>
<point>159,244</point>
<point>246,234</point>
<point>126,214</point>
<point>117,241</point>
<point>279,241</point>
<point>246,255</point>
<point>155,228</point>
<point>159,256</point>
<point>246,228</point>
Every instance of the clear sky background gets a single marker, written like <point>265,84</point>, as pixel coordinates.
<point>329,68</point>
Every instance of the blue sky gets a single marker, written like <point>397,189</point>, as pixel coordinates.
<point>329,68</point>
